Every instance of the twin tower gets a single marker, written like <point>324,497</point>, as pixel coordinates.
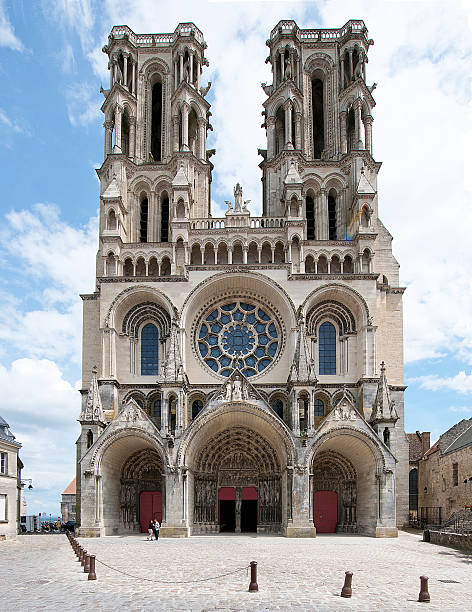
<point>318,121</point>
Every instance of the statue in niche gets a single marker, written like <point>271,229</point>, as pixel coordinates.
<point>288,67</point>
<point>237,389</point>
<point>229,391</point>
<point>359,69</point>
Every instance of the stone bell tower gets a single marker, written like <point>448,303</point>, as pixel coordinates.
<point>156,122</point>
<point>318,120</point>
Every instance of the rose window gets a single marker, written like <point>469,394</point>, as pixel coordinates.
<point>238,335</point>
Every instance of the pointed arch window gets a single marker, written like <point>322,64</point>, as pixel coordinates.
<point>327,348</point>
<point>149,350</point>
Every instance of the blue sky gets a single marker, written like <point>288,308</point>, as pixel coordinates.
<point>51,69</point>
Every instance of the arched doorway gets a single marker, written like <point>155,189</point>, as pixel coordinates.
<point>334,486</point>
<point>237,484</point>
<point>141,489</point>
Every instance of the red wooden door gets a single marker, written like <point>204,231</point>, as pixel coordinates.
<point>325,511</point>
<point>150,507</point>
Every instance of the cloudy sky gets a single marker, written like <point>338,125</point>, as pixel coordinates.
<point>51,69</point>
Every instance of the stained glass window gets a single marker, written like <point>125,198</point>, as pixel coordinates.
<point>149,350</point>
<point>238,335</point>
<point>327,348</point>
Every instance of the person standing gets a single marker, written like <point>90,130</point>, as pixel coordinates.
<point>156,529</point>
<point>150,530</point>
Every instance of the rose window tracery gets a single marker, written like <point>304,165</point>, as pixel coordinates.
<point>238,335</point>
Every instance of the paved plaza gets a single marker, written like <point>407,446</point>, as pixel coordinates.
<point>41,573</point>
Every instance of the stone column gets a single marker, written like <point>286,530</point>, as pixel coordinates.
<point>259,252</point>
<point>165,416</point>
<point>176,74</point>
<point>174,524</point>
<point>133,78</point>
<point>175,134</point>
<point>358,123</point>
<point>181,67</point>
<point>201,138</point>
<point>191,69</point>
<point>125,69</point>
<point>111,68</point>
<point>184,136</point>
<point>295,415</point>
<point>368,132</point>
<point>386,509</point>
<point>282,65</point>
<point>245,249</point>
<point>198,71</point>
<point>238,509</point>
<point>298,131</point>
<point>343,125</point>
<point>132,137</point>
<point>288,124</point>
<point>311,415</point>
<point>118,115</point>
<point>351,70</point>
<point>342,74</point>
<point>108,125</point>
<point>230,255</point>
<point>270,122</point>
<point>324,230</point>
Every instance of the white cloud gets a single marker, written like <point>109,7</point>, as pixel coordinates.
<point>41,408</point>
<point>13,125</point>
<point>59,258</point>
<point>72,15</point>
<point>460,383</point>
<point>7,33</point>
<point>83,104</point>
<point>461,409</point>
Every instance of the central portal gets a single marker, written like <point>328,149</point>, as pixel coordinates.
<point>237,509</point>
<point>237,484</point>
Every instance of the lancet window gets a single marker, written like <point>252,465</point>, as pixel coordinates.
<point>156,121</point>
<point>317,94</point>
<point>327,348</point>
<point>149,350</point>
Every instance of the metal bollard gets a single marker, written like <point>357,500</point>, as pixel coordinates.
<point>253,586</point>
<point>92,575</point>
<point>424,592</point>
<point>82,556</point>
<point>346,591</point>
<point>87,563</point>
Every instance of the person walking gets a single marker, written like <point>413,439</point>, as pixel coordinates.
<point>156,529</point>
<point>150,530</point>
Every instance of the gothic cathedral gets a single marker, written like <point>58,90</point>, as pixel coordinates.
<point>242,373</point>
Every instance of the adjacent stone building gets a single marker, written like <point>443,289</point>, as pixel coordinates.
<point>445,475</point>
<point>11,488</point>
<point>419,443</point>
<point>235,368</point>
<point>68,502</point>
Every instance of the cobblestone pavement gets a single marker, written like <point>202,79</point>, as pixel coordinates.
<point>41,573</point>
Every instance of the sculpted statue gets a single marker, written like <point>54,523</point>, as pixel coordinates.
<point>237,389</point>
<point>229,391</point>
<point>238,198</point>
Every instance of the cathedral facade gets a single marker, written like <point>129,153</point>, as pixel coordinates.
<point>235,368</point>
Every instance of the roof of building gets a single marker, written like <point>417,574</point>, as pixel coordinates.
<point>70,489</point>
<point>416,447</point>
<point>463,440</point>
<point>433,449</point>
<point>5,433</point>
<point>458,436</point>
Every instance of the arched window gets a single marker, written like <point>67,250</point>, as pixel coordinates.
<point>318,408</point>
<point>197,407</point>
<point>386,436</point>
<point>278,408</point>
<point>149,350</point>
<point>125,133</point>
<point>156,412</point>
<point>89,438</point>
<point>327,348</point>
<point>111,220</point>
<point>318,117</point>
<point>156,121</point>
<point>332,219</point>
<point>310,218</point>
<point>143,220</point>
<point>165,218</point>
<point>348,267</point>
<point>279,131</point>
